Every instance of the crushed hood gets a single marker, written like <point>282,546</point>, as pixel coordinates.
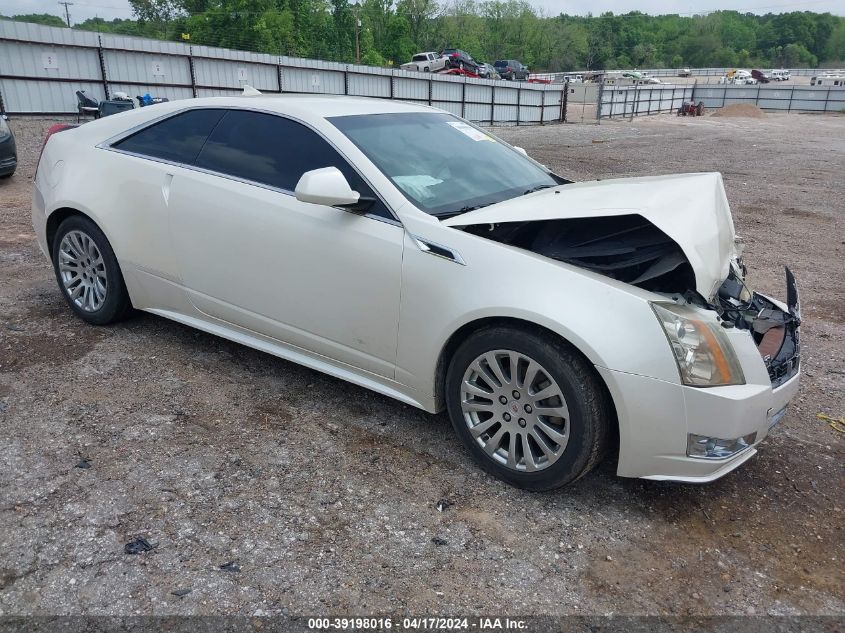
<point>692,209</point>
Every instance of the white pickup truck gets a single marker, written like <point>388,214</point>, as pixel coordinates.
<point>426,63</point>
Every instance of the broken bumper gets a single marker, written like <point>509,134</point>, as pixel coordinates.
<point>657,418</point>
<point>668,431</point>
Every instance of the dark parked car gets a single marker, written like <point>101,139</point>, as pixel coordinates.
<point>8,151</point>
<point>511,69</point>
<point>460,59</point>
<point>760,76</point>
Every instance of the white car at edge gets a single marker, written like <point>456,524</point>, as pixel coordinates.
<point>403,249</point>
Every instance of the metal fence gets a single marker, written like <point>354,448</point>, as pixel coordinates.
<point>42,67</point>
<point>629,101</point>
<point>673,72</point>
<point>780,98</point>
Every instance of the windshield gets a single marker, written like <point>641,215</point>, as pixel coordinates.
<point>443,165</point>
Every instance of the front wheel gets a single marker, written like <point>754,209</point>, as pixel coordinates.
<point>88,273</point>
<point>528,407</point>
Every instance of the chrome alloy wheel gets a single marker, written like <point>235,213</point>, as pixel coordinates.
<point>83,271</point>
<point>515,410</point>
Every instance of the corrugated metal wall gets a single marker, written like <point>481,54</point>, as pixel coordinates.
<point>626,101</point>
<point>674,72</point>
<point>782,98</point>
<point>42,67</point>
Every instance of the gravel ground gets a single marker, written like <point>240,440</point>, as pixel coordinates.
<point>264,487</point>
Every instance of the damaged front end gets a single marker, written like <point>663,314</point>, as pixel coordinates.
<point>775,328</point>
<point>632,250</point>
<point>624,247</point>
<point>671,235</point>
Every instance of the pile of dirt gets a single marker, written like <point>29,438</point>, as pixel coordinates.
<point>741,110</point>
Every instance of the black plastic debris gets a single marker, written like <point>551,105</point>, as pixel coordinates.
<point>231,566</point>
<point>84,464</point>
<point>439,541</point>
<point>137,546</point>
<point>443,504</point>
<point>181,593</point>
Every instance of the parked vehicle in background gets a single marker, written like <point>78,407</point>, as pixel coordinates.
<point>691,108</point>
<point>8,150</point>
<point>684,72</point>
<point>760,76</point>
<point>780,75</point>
<point>488,71</point>
<point>511,69</point>
<point>828,79</point>
<point>456,58</point>
<point>573,79</point>
<point>429,62</point>
<point>738,78</point>
<point>618,314</point>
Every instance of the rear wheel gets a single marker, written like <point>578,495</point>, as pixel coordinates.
<point>528,407</point>
<point>88,273</point>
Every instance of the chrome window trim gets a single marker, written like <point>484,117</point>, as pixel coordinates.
<point>108,146</point>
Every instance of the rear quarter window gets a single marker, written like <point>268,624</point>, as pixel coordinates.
<point>178,138</point>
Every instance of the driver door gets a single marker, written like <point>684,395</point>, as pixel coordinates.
<point>249,253</point>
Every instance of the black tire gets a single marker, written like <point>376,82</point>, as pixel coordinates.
<point>590,412</point>
<point>116,305</point>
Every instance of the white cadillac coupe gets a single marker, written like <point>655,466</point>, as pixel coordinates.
<point>403,249</point>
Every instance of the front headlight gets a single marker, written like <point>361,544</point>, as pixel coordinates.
<point>5,132</point>
<point>702,350</point>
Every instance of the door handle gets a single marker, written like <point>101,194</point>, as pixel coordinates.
<point>165,188</point>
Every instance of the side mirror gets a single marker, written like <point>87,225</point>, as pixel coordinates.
<point>326,186</point>
<point>521,150</point>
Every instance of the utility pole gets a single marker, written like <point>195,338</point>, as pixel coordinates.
<point>357,43</point>
<point>357,31</point>
<point>67,11</point>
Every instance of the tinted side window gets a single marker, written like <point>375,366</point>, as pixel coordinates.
<point>178,138</point>
<point>274,151</point>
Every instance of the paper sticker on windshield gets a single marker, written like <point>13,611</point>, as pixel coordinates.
<point>417,186</point>
<point>475,135</point>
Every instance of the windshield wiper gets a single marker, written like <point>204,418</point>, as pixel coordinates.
<point>474,207</point>
<point>537,188</point>
<point>466,209</point>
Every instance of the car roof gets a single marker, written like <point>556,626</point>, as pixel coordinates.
<point>305,107</point>
<point>309,106</point>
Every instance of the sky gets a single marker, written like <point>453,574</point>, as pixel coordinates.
<point>108,9</point>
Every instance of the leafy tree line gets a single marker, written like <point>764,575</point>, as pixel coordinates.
<point>392,30</point>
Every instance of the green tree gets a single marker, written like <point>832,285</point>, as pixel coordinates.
<point>40,18</point>
<point>157,12</point>
<point>392,30</point>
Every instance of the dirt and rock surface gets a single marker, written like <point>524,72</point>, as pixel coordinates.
<point>262,487</point>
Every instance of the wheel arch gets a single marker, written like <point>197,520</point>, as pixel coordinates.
<point>55,219</point>
<point>468,329</point>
